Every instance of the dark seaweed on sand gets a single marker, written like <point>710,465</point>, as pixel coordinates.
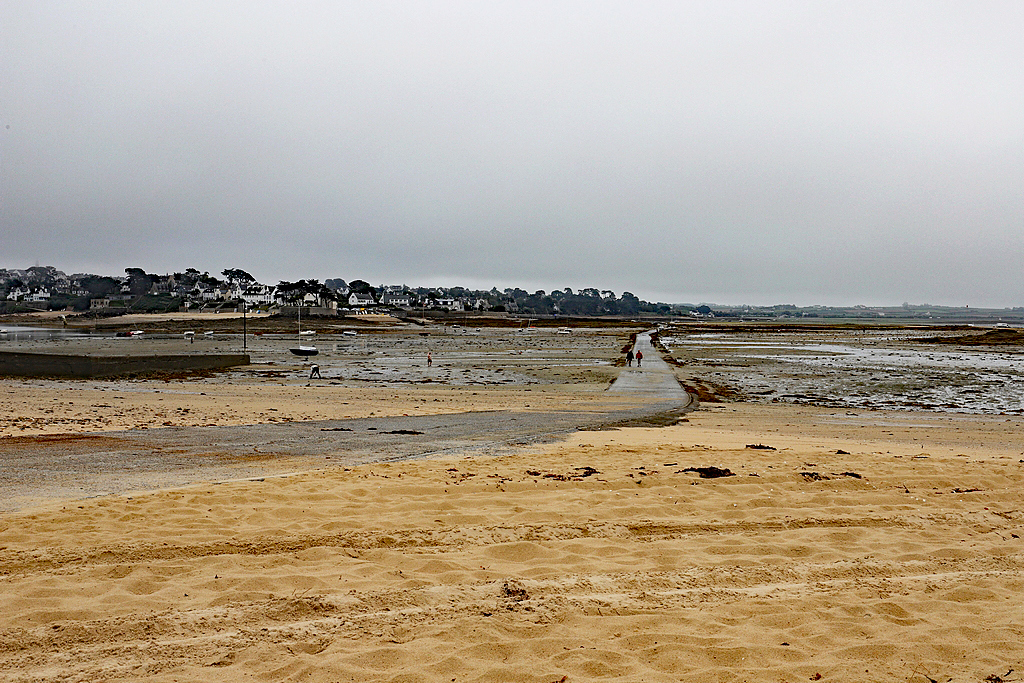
<point>711,472</point>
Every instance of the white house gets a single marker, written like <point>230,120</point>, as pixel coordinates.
<point>310,299</point>
<point>396,299</point>
<point>258,295</point>
<point>357,299</point>
<point>450,303</point>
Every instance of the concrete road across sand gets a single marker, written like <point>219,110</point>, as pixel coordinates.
<point>653,379</point>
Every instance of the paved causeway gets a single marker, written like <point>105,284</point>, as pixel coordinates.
<point>654,379</point>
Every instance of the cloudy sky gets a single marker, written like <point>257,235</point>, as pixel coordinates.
<point>732,152</point>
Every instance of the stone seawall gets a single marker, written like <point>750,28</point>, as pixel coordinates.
<point>27,364</point>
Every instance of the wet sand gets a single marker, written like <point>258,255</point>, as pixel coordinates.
<point>849,544</point>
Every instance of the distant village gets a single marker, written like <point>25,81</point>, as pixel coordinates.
<point>45,288</point>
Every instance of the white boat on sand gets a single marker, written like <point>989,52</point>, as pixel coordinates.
<point>304,350</point>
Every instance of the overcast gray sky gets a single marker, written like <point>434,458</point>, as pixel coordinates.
<point>731,152</point>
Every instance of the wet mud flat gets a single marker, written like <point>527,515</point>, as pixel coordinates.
<point>873,368</point>
<point>459,356</point>
<point>381,356</point>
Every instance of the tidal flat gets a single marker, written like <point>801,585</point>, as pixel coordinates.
<point>751,539</point>
<point>882,368</point>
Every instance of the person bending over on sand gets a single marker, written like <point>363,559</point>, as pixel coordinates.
<point>629,358</point>
<point>639,357</point>
<point>314,371</point>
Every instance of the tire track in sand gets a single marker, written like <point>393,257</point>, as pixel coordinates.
<point>428,540</point>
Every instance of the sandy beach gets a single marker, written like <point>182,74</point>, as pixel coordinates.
<point>749,542</point>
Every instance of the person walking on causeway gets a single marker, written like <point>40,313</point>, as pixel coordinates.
<point>639,357</point>
<point>629,358</point>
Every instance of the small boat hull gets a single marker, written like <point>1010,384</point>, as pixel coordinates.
<point>305,351</point>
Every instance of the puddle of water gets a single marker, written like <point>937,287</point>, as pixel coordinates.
<point>19,333</point>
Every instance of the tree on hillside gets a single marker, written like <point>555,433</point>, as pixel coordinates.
<point>295,292</point>
<point>325,293</point>
<point>43,275</point>
<point>629,304</point>
<point>209,280</point>
<point>238,276</point>
<point>139,282</point>
<point>188,279</point>
<point>100,286</point>
<point>362,287</point>
<point>290,291</point>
